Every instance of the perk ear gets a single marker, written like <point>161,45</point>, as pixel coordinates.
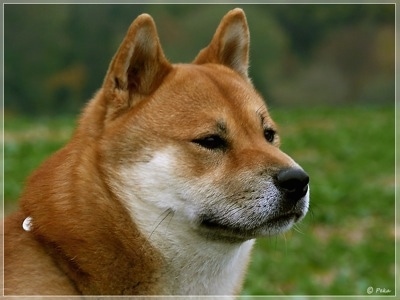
<point>230,44</point>
<point>138,66</point>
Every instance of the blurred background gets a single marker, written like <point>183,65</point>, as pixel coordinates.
<point>327,73</point>
<point>56,55</point>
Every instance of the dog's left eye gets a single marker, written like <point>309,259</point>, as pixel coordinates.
<point>269,135</point>
<point>212,142</point>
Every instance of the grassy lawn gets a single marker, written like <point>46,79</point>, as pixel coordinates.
<point>347,241</point>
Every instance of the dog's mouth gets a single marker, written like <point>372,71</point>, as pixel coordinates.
<point>242,230</point>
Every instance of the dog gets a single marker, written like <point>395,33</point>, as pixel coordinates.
<point>171,174</point>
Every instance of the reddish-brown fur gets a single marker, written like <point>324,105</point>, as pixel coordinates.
<point>83,239</point>
<point>80,231</point>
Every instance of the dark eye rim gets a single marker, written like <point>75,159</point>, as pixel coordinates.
<point>212,142</point>
<point>269,134</point>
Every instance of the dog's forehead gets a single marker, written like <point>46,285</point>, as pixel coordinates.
<point>213,87</point>
<point>199,99</point>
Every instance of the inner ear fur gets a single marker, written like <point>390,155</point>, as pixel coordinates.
<point>230,44</point>
<point>138,67</point>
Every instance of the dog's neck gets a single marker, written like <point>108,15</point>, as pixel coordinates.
<point>194,265</point>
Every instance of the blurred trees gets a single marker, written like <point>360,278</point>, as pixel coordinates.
<point>55,56</point>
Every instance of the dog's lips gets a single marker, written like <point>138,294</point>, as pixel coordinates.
<point>244,231</point>
<point>284,218</point>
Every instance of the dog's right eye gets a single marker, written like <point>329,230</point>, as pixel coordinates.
<point>212,142</point>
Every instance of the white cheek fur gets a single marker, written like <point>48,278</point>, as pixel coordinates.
<point>158,186</point>
<point>155,185</point>
<point>150,191</point>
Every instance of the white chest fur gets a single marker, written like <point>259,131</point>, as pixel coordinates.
<point>200,268</point>
<point>194,265</point>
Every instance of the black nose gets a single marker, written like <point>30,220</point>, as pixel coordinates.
<point>293,182</point>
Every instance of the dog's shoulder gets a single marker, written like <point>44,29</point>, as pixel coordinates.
<point>25,259</point>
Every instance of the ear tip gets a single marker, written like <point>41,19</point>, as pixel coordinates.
<point>143,20</point>
<point>236,13</point>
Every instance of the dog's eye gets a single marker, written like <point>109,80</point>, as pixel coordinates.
<point>269,135</point>
<point>212,142</point>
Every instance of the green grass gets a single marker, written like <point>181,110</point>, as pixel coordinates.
<point>347,241</point>
<point>28,142</point>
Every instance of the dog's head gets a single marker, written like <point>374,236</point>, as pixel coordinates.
<point>195,139</point>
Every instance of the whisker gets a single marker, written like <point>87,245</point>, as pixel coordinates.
<point>297,229</point>
<point>285,239</point>
<point>167,212</point>
<point>171,212</point>
<point>275,242</point>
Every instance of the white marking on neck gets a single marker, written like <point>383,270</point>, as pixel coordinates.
<point>195,265</point>
<point>27,224</point>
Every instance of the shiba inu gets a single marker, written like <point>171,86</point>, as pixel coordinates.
<point>172,172</point>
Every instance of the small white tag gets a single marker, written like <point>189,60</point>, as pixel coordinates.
<point>26,225</point>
